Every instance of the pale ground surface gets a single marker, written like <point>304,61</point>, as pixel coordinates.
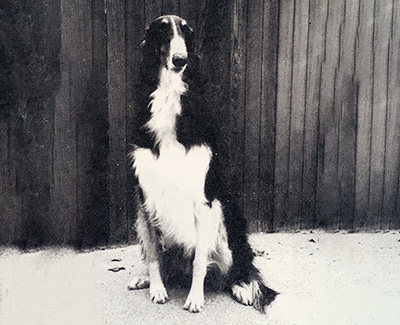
<point>323,278</point>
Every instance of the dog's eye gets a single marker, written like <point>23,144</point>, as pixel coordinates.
<point>164,26</point>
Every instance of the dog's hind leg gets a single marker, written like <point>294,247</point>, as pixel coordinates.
<point>141,282</point>
<point>149,239</point>
<point>247,284</point>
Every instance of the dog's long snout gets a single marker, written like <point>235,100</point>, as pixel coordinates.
<point>179,61</point>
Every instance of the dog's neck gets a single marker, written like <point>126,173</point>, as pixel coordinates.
<point>165,106</point>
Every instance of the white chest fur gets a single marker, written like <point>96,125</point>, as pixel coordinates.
<point>173,186</point>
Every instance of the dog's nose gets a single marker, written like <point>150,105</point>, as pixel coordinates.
<point>179,61</point>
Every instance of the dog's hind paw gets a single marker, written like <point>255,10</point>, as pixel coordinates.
<point>244,293</point>
<point>158,294</point>
<point>194,302</point>
<point>139,283</point>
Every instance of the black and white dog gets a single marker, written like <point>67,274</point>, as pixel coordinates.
<point>184,208</point>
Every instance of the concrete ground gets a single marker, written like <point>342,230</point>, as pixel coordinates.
<point>323,278</point>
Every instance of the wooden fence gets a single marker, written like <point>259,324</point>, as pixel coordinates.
<point>309,90</point>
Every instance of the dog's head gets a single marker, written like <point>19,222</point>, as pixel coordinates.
<point>168,44</point>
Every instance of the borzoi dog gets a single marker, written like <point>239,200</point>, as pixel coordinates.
<point>184,209</point>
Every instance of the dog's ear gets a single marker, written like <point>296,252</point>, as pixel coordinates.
<point>185,25</point>
<point>142,43</point>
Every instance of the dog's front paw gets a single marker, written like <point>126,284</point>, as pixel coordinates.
<point>158,294</point>
<point>194,302</point>
<point>139,283</point>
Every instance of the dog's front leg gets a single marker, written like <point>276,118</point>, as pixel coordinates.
<point>195,299</point>
<point>149,239</point>
<point>158,293</point>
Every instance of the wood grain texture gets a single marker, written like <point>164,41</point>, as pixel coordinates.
<point>364,80</point>
<point>171,7</point>
<point>94,222</point>
<point>297,114</point>
<point>64,200</point>
<point>117,120</point>
<point>237,96</point>
<point>328,195</point>
<point>306,92</point>
<point>152,10</point>
<point>346,108</point>
<point>135,26</point>
<point>251,177</point>
<point>285,73</point>
<point>11,219</point>
<point>382,27</point>
<point>391,214</point>
<point>81,65</point>
<point>268,98</point>
<point>315,57</point>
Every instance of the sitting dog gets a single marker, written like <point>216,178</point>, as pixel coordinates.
<point>183,202</point>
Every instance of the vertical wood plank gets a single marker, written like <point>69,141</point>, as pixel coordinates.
<point>252,113</point>
<point>391,213</point>
<point>81,64</point>
<point>81,72</point>
<point>117,120</point>
<point>270,39</point>
<point>92,135</point>
<point>382,27</point>
<point>315,55</point>
<point>237,101</point>
<point>135,27</point>
<point>346,107</point>
<point>51,38</point>
<point>73,139</point>
<point>297,115</point>
<point>64,200</point>
<point>328,196</point>
<point>283,113</point>
<point>364,80</point>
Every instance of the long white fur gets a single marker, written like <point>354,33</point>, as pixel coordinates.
<point>165,106</point>
<point>173,187</point>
